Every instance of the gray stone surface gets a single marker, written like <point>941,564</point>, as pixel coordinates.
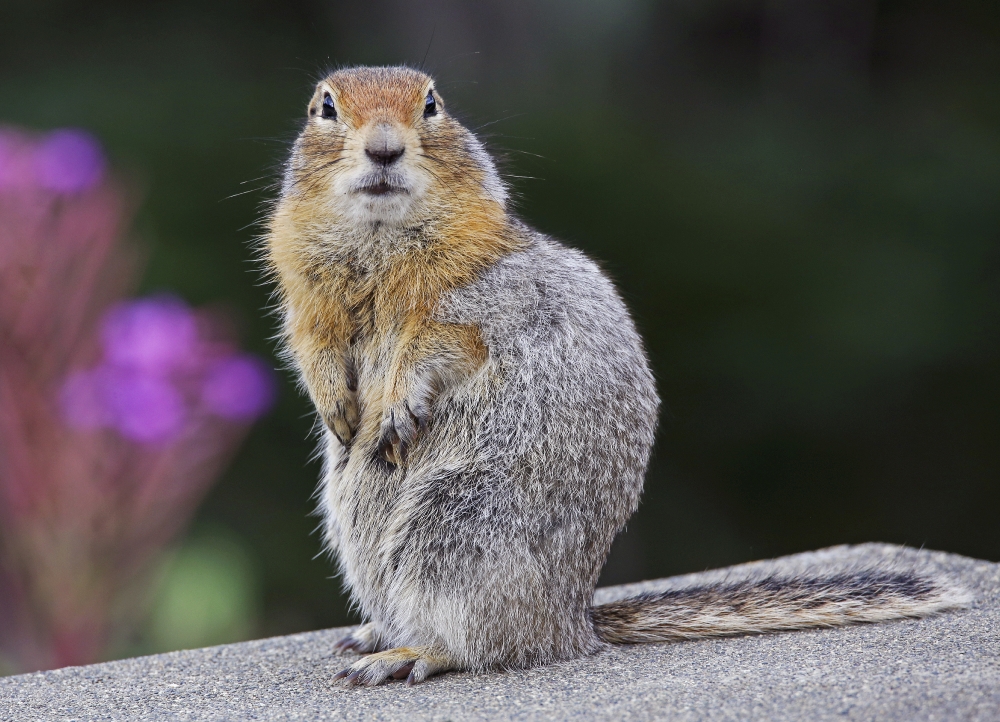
<point>943,668</point>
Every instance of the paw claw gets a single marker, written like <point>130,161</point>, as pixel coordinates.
<point>342,418</point>
<point>363,640</point>
<point>400,428</point>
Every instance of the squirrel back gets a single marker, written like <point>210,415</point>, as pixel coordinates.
<point>487,407</point>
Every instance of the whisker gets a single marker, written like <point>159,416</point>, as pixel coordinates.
<point>241,193</point>
<point>498,120</point>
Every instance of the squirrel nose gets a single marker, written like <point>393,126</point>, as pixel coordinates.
<point>384,145</point>
<point>384,156</point>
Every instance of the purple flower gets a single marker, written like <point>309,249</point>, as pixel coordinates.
<point>145,408</point>
<point>140,407</point>
<point>238,387</point>
<point>69,161</point>
<point>156,369</point>
<point>70,502</point>
<point>156,335</point>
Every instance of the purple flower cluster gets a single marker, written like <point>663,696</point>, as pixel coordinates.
<point>85,517</point>
<point>65,161</point>
<point>160,372</point>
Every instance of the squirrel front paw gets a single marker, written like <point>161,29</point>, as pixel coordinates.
<point>401,425</point>
<point>342,417</point>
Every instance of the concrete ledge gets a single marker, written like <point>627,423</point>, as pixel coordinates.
<point>943,668</point>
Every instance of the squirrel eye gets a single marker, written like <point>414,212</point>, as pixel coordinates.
<point>430,105</point>
<point>329,111</point>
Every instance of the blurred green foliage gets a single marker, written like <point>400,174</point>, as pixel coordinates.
<point>208,594</point>
<point>799,200</point>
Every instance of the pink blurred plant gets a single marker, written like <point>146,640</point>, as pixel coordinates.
<point>115,415</point>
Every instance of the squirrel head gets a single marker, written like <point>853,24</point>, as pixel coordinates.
<point>378,147</point>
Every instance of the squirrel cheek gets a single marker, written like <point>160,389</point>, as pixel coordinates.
<point>419,181</point>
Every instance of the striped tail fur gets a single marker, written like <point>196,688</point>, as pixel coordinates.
<point>773,604</point>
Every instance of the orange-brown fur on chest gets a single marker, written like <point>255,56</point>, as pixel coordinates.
<point>341,305</point>
<point>340,294</point>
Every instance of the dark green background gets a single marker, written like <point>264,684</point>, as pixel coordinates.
<point>798,198</point>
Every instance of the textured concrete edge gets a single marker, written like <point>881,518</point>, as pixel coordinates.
<point>965,592</point>
<point>940,668</point>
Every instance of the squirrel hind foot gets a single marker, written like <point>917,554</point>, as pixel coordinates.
<point>363,640</point>
<point>414,663</point>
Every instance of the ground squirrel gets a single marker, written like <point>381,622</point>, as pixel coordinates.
<point>487,407</point>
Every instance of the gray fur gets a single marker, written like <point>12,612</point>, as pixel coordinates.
<point>489,543</point>
<point>774,603</point>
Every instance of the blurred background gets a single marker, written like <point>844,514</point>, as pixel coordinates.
<point>797,198</point>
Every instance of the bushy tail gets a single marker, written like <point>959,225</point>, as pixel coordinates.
<point>772,604</point>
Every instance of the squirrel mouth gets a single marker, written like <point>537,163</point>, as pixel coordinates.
<point>381,188</point>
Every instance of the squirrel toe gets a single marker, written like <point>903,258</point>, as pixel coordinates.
<point>343,420</point>
<point>399,431</point>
